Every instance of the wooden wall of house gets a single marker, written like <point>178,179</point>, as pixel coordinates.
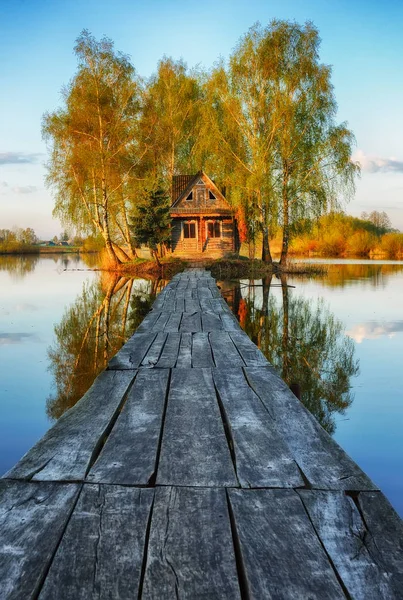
<point>203,245</point>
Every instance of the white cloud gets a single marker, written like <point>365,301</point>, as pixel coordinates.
<point>3,184</point>
<point>24,189</point>
<point>373,330</point>
<point>375,164</point>
<point>18,158</point>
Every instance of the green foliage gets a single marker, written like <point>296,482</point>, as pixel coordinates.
<point>18,241</point>
<point>150,223</point>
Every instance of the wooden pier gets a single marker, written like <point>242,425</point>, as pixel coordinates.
<point>190,471</point>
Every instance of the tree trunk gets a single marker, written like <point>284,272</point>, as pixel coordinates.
<point>155,255</point>
<point>266,254</point>
<point>285,340</point>
<point>286,222</point>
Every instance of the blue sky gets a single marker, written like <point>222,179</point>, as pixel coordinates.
<point>363,42</point>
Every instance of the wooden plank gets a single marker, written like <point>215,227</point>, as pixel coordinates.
<point>154,352</point>
<point>281,554</point>
<point>323,462</point>
<point>224,352</point>
<point>191,305</point>
<point>194,449</point>
<point>191,322</point>
<point>218,305</point>
<point>251,355</point>
<point>162,321</point>
<point>173,322</point>
<point>211,322</point>
<point>148,321</point>
<point>130,453</point>
<point>180,304</point>
<point>201,351</point>
<point>347,541</point>
<point>66,450</point>
<point>184,360</point>
<point>385,539</point>
<point>32,519</point>
<point>190,552</point>
<point>132,353</point>
<point>204,292</point>
<point>229,321</point>
<point>262,458</point>
<point>101,553</point>
<point>170,352</point>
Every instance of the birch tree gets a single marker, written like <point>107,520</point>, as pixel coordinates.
<point>94,146</point>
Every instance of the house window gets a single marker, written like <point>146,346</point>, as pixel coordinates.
<point>189,229</point>
<point>190,197</point>
<point>213,229</point>
<point>211,195</point>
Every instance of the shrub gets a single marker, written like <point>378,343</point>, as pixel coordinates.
<point>392,245</point>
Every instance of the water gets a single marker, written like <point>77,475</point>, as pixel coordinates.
<point>338,336</point>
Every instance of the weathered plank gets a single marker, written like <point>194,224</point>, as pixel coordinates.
<point>385,539</point>
<point>184,360</point>
<point>229,321</point>
<point>154,352</point>
<point>201,351</point>
<point>190,552</point>
<point>130,453</point>
<point>173,322</point>
<point>194,449</point>
<point>170,351</point>
<point>101,553</point>
<point>162,321</point>
<point>282,556</point>
<point>262,458</point>
<point>66,450</point>
<point>321,459</point>
<point>149,320</point>
<point>132,353</point>
<point>32,519</point>
<point>191,305</point>
<point>180,304</point>
<point>347,541</point>
<point>191,322</point>
<point>211,322</point>
<point>251,355</point>
<point>224,352</point>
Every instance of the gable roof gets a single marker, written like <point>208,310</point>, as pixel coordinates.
<point>183,184</point>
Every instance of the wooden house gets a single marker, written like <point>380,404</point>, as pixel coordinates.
<point>203,223</point>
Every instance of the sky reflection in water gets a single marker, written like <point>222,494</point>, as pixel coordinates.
<point>343,341</point>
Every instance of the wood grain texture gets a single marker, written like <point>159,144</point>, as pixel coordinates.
<point>347,541</point>
<point>194,448</point>
<point>101,553</point>
<point>251,355</point>
<point>282,555</point>
<point>385,536</point>
<point>32,519</point>
<point>202,356</point>
<point>190,552</point>
<point>211,321</point>
<point>224,351</point>
<point>169,354</point>
<point>132,353</point>
<point>130,453</point>
<point>321,459</point>
<point>184,360</point>
<point>262,457</point>
<point>191,322</point>
<point>66,450</point>
<point>154,352</point>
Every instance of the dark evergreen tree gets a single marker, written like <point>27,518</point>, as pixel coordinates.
<point>151,222</point>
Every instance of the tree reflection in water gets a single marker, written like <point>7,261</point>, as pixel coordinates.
<point>305,343</point>
<point>92,330</point>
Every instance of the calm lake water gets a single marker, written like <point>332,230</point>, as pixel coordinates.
<point>338,336</point>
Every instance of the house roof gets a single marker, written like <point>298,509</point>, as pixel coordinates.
<point>183,184</point>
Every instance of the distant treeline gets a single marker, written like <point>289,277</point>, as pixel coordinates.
<point>340,235</point>
<point>25,241</point>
